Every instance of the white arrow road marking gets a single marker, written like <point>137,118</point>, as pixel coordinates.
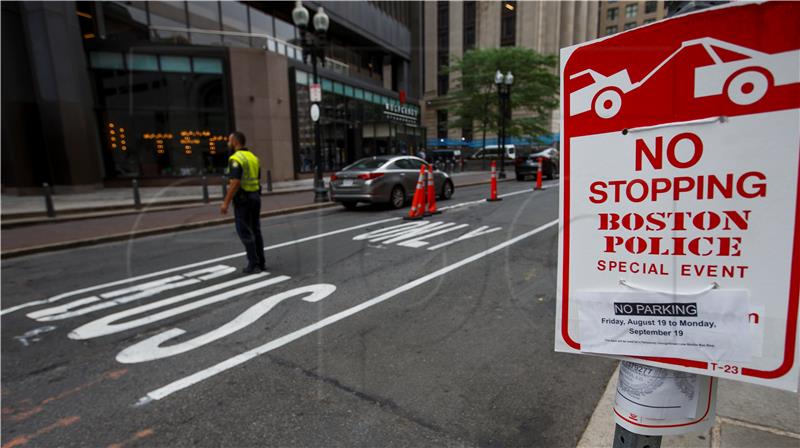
<point>150,349</point>
<point>234,361</point>
<point>106,325</point>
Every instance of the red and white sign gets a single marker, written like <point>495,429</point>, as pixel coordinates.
<point>680,212</point>
<point>315,93</point>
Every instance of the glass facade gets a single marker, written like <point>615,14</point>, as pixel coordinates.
<point>161,82</point>
<point>354,123</point>
<point>161,115</point>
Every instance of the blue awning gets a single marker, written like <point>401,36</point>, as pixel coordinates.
<point>548,139</point>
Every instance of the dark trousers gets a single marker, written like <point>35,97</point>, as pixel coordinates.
<point>247,211</point>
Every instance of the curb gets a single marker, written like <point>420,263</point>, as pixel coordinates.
<point>77,214</point>
<point>149,232</point>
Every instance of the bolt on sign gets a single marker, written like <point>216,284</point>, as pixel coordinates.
<point>680,237</point>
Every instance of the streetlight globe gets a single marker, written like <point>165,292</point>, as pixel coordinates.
<point>321,20</point>
<point>300,15</point>
<point>498,78</point>
<point>509,78</point>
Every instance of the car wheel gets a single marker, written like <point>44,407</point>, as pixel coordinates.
<point>747,87</point>
<point>350,205</point>
<point>447,190</point>
<point>397,198</point>
<point>607,103</point>
<point>550,173</point>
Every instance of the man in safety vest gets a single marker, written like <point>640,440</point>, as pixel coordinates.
<point>244,189</point>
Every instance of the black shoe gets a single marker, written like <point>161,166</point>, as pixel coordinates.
<point>263,267</point>
<point>250,270</point>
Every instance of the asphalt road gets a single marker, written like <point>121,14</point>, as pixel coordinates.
<point>353,338</point>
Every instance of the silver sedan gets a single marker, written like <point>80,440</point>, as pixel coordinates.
<point>384,179</point>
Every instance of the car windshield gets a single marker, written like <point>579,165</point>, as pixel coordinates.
<point>366,164</point>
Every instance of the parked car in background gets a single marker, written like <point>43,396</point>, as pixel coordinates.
<point>493,152</point>
<point>528,166</point>
<point>384,180</point>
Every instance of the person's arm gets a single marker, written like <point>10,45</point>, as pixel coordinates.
<point>233,187</point>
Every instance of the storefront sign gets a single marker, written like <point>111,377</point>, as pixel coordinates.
<point>401,113</point>
<point>680,239</point>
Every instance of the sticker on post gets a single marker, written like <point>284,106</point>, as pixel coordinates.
<point>711,325</point>
<point>657,393</point>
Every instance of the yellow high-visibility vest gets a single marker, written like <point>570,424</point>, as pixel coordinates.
<point>250,169</point>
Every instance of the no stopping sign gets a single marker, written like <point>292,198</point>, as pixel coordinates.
<point>680,244</point>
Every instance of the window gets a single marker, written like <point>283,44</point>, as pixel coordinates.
<point>284,30</point>
<point>168,14</point>
<point>207,65</point>
<point>176,64</point>
<point>260,23</point>
<point>612,14</point>
<point>466,133</point>
<point>443,45</point>
<point>631,10</point>
<point>143,62</point>
<point>204,16</point>
<point>650,7</point>
<point>234,18</point>
<point>469,25</point>
<point>630,25</point>
<point>508,24</point>
<point>649,21</point>
<point>611,29</point>
<point>107,60</point>
<point>441,124</point>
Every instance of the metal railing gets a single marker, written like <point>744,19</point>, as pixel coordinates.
<point>264,41</point>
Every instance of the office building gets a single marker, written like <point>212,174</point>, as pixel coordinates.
<point>452,28</point>
<point>621,16</point>
<point>98,93</point>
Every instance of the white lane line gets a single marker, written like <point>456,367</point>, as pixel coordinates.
<point>188,266</point>
<point>232,362</point>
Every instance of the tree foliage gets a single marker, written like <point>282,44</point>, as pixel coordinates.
<point>474,98</point>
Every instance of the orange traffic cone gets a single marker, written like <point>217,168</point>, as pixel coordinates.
<point>493,193</point>
<point>432,210</point>
<point>418,202</point>
<point>539,174</point>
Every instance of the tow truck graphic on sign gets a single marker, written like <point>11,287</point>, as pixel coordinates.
<point>744,81</point>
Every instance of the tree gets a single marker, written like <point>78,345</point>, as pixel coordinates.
<point>474,97</point>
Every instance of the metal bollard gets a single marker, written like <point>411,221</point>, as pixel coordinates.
<point>205,190</point>
<point>137,200</point>
<point>224,186</point>
<point>269,181</point>
<point>48,200</point>
<point>626,439</point>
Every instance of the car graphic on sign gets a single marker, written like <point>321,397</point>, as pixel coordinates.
<point>744,81</point>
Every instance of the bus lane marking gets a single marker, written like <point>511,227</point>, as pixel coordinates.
<point>242,358</point>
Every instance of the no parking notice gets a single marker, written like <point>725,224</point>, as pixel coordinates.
<point>680,237</point>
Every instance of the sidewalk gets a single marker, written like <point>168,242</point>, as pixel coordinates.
<point>110,198</point>
<point>120,225</point>
<point>748,416</point>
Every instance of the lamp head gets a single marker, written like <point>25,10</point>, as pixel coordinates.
<point>498,78</point>
<point>300,15</point>
<point>321,20</point>
<point>509,78</point>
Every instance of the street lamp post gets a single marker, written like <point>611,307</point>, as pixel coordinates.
<point>504,93</point>
<point>313,44</point>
